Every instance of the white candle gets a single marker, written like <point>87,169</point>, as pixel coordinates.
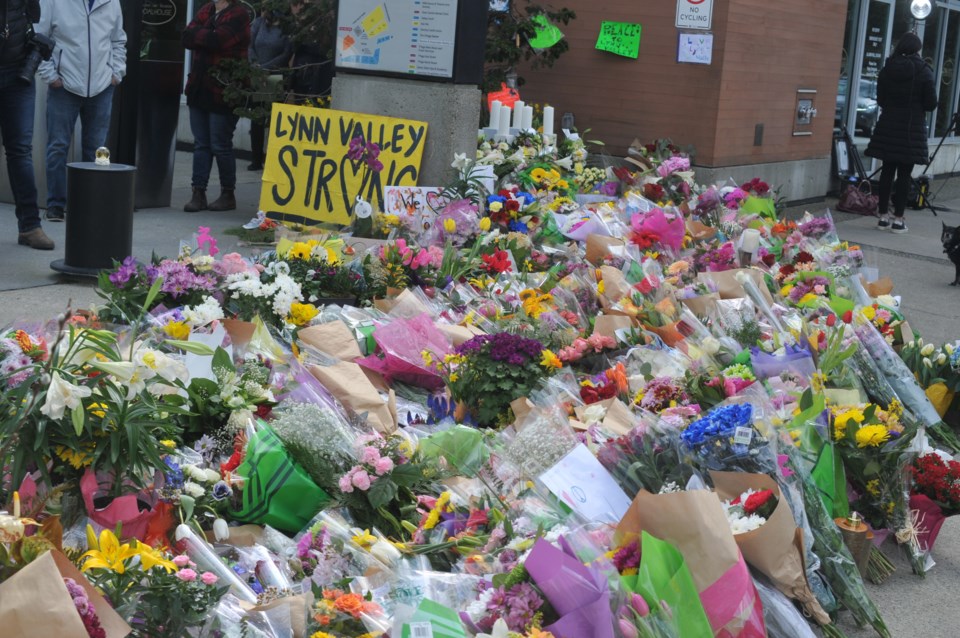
<point>503,128</point>
<point>495,114</point>
<point>527,118</point>
<point>548,120</point>
<point>518,114</point>
<point>750,240</point>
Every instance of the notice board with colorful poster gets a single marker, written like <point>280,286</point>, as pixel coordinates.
<point>620,38</point>
<point>410,37</point>
<point>307,176</point>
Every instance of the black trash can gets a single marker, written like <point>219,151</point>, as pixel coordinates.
<point>100,202</point>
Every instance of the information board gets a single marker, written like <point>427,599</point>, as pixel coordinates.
<point>694,14</point>
<point>410,37</point>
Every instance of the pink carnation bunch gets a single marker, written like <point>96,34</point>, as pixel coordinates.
<point>88,614</point>
<point>581,347</point>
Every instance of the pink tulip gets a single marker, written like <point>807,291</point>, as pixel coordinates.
<point>639,605</point>
<point>627,629</point>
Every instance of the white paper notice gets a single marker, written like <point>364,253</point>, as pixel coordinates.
<point>580,481</point>
<point>201,366</point>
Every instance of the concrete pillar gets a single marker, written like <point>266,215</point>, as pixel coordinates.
<point>452,112</point>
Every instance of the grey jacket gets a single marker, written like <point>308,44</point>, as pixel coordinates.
<point>91,44</point>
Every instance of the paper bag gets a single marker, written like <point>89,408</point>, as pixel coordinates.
<point>241,332</point>
<point>240,536</point>
<point>618,420</point>
<point>700,231</point>
<point>730,288</point>
<point>615,285</point>
<point>599,246</point>
<point>408,306</point>
<point>607,325</point>
<point>458,334</point>
<point>882,286</point>
<point>521,407</point>
<point>775,549</point>
<point>702,306</point>
<point>347,382</point>
<point>35,602</point>
<point>334,339</point>
<point>296,609</point>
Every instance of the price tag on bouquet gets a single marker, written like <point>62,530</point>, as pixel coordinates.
<point>584,485</point>
<point>743,436</point>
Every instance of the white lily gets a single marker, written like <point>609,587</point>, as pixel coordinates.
<point>566,163</point>
<point>459,161</point>
<point>61,395</point>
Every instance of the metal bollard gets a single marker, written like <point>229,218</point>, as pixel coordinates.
<point>100,201</point>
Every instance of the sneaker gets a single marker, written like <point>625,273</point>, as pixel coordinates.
<point>54,215</point>
<point>255,166</point>
<point>884,223</point>
<point>36,239</point>
<point>898,226</point>
<point>255,221</point>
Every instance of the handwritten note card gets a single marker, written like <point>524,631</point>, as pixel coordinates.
<point>621,38</point>
<point>696,48</point>
<point>580,481</point>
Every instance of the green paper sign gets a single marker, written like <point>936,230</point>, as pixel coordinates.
<point>547,34</point>
<point>621,38</point>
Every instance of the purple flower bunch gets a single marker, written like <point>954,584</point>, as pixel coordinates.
<point>129,269</point>
<point>503,347</point>
<point>362,151</point>
<point>88,613</point>
<point>661,392</point>
<point>717,259</point>
<point>179,279</point>
<point>816,227</point>
<point>673,164</point>
<point>517,606</point>
<point>813,286</point>
<point>627,556</point>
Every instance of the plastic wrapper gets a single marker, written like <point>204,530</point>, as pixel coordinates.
<point>645,458</point>
<point>268,572</point>
<point>203,554</point>
<point>402,341</point>
<point>540,440</point>
<point>796,360</point>
<point>413,582</point>
<point>728,438</point>
<point>780,616</point>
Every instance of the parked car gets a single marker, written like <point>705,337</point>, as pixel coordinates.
<point>867,108</point>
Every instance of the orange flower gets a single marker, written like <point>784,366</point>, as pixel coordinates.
<point>350,604</point>
<point>618,375</point>
<point>332,594</point>
<point>323,619</point>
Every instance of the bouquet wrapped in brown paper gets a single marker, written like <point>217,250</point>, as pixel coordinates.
<point>37,602</point>
<point>695,524</point>
<point>775,548</point>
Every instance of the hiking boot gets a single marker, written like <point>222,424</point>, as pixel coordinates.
<point>36,239</point>
<point>226,201</point>
<point>898,226</point>
<point>54,214</point>
<point>884,223</point>
<point>198,202</point>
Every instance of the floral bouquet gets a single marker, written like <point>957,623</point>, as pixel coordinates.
<point>934,369</point>
<point>935,494</point>
<point>725,439</point>
<point>764,529</point>
<point>488,372</point>
<point>327,554</point>
<point>656,227</point>
<point>645,458</point>
<point>339,614</point>
<point>723,257</point>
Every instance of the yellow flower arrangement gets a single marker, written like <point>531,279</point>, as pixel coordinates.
<point>434,516</point>
<point>106,552</point>
<point>550,360</point>
<point>302,313</point>
<point>364,539</point>
<point>485,222</point>
<point>178,330</point>
<point>300,250</point>
<point>842,420</point>
<point>872,436</point>
<point>77,460</point>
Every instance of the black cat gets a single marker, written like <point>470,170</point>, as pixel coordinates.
<point>951,245</point>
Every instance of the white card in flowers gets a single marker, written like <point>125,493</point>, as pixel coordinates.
<point>580,481</point>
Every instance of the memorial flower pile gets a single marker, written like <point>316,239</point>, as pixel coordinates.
<point>570,406</point>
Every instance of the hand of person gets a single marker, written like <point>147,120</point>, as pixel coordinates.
<point>56,84</point>
<point>115,81</point>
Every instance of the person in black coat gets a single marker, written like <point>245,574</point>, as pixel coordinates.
<point>905,92</point>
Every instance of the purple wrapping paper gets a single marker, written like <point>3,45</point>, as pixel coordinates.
<point>579,594</point>
<point>796,359</point>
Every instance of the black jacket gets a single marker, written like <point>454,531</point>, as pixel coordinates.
<point>18,16</point>
<point>905,91</point>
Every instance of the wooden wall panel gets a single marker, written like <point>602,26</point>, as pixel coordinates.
<point>763,51</point>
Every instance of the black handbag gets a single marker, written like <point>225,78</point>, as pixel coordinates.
<point>859,200</point>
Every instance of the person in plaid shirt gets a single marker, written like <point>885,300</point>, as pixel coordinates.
<point>220,31</point>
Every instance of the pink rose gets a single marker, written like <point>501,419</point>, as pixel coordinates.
<point>370,455</point>
<point>181,561</point>
<point>361,480</point>
<point>187,575</point>
<point>208,578</point>
<point>383,465</point>
<point>345,483</point>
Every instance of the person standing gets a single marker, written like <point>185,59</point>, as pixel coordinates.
<point>17,101</point>
<point>221,31</point>
<point>312,64</point>
<point>89,60</point>
<point>905,92</point>
<point>270,49</point>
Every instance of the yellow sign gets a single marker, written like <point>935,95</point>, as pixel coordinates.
<point>308,177</point>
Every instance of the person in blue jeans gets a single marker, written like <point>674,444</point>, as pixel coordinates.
<point>17,100</point>
<point>90,59</point>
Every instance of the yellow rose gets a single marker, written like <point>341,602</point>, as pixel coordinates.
<point>496,207</point>
<point>485,222</point>
<point>450,225</point>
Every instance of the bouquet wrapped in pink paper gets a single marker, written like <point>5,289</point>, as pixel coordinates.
<point>402,343</point>
<point>656,226</point>
<point>695,524</point>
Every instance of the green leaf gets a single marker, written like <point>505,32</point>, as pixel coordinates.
<point>152,294</point>
<point>221,359</point>
<point>192,347</point>
<point>77,415</point>
<point>187,503</point>
<point>381,492</point>
<point>406,474</point>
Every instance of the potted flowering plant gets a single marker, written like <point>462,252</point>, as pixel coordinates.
<point>488,372</point>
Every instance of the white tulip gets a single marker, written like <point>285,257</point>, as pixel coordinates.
<point>927,362</point>
<point>711,345</point>
<point>949,348</point>
<point>941,358</point>
<point>221,530</point>
<point>182,532</point>
<point>927,350</point>
<point>62,395</point>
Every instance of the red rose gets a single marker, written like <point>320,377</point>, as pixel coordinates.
<point>769,260</point>
<point>498,262</point>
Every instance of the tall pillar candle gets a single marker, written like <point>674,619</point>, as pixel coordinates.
<point>504,124</point>
<point>527,118</point>
<point>548,120</point>
<point>518,113</point>
<point>495,115</point>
